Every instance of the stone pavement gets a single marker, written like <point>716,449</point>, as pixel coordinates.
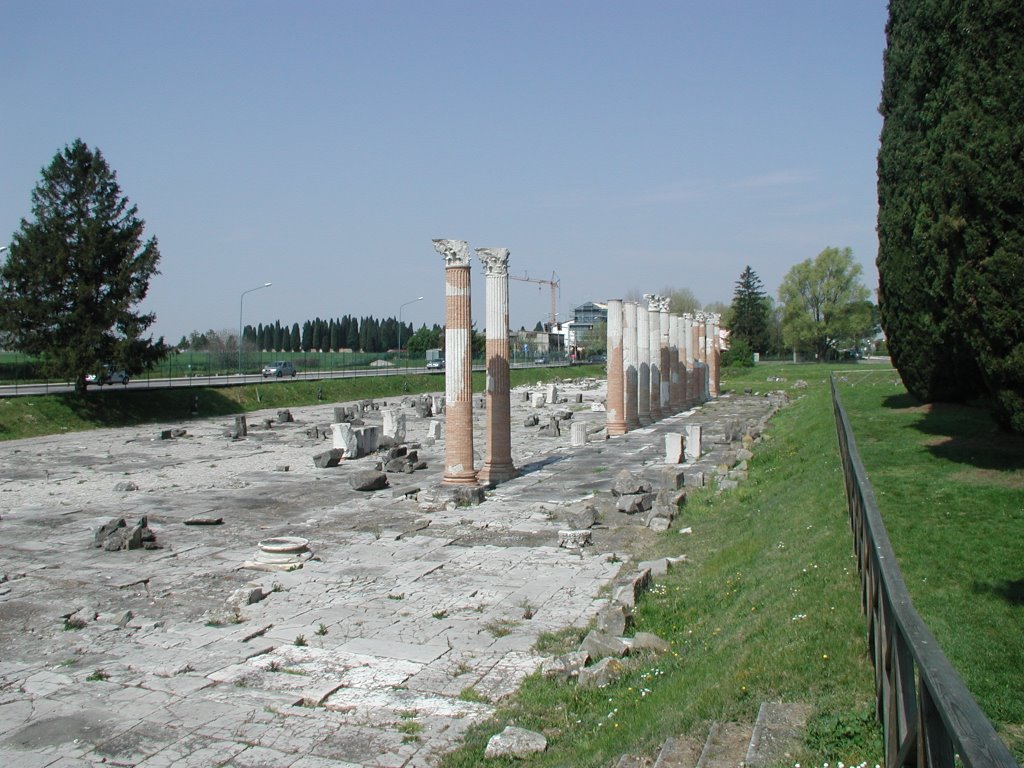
<point>413,618</point>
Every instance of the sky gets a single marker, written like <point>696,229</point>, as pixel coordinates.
<point>620,148</point>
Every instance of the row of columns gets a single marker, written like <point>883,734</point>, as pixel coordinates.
<point>659,363</point>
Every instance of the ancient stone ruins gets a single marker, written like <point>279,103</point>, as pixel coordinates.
<point>353,584</point>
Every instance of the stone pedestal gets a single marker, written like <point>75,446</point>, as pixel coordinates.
<point>394,426</point>
<point>458,371</point>
<point>673,448</point>
<point>578,433</point>
<point>614,408</point>
<point>693,442</point>
<point>497,467</point>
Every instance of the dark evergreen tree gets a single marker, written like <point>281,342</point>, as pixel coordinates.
<point>317,335</point>
<point>75,274</point>
<point>928,184</point>
<point>352,339</point>
<point>307,335</point>
<point>296,339</point>
<point>335,343</point>
<point>749,312</point>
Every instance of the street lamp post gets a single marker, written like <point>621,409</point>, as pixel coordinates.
<point>400,308</point>
<point>241,303</point>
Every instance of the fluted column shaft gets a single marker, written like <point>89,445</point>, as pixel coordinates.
<point>643,367</point>
<point>630,364</point>
<point>614,412</point>
<point>674,393</point>
<point>458,370</point>
<point>714,355</point>
<point>666,363</point>
<point>690,395</point>
<point>654,344</point>
<point>498,466</point>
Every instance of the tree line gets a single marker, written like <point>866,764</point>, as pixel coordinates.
<point>367,334</point>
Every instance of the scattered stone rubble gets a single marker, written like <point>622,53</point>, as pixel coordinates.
<point>115,535</point>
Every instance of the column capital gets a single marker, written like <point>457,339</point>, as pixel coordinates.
<point>687,316</point>
<point>495,260</point>
<point>455,252</point>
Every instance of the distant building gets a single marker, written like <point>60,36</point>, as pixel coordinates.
<point>589,314</point>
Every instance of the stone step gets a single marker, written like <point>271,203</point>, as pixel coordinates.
<point>678,753</point>
<point>778,732</point>
<point>726,746</point>
<point>775,736</point>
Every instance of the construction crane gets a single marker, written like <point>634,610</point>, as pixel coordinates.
<point>552,284</point>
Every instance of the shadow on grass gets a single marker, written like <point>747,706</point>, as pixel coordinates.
<point>1010,591</point>
<point>118,409</point>
<point>963,433</point>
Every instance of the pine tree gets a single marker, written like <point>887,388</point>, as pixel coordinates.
<point>75,273</point>
<point>750,312</point>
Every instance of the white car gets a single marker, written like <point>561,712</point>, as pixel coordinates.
<point>435,365</point>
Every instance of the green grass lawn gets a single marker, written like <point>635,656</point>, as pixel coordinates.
<point>950,486</point>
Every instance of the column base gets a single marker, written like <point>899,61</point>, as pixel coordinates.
<point>459,478</point>
<point>646,421</point>
<point>616,428</point>
<point>492,474</point>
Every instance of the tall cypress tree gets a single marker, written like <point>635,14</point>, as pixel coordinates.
<point>949,192</point>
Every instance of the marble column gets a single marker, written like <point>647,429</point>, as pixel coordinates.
<point>666,364</point>
<point>614,413</point>
<point>498,466</point>
<point>690,394</point>
<point>630,365</point>
<point>654,347</point>
<point>458,365</point>
<point>674,402</point>
<point>643,365</point>
<point>699,335</point>
<point>714,354</point>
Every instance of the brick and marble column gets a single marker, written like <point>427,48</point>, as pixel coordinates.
<point>630,365</point>
<point>699,335</point>
<point>666,364</point>
<point>674,394</point>
<point>614,412</point>
<point>654,345</point>
<point>643,365</point>
<point>458,367</point>
<point>498,466</point>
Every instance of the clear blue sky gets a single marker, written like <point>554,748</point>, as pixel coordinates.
<point>322,145</point>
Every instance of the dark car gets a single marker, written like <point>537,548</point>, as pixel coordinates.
<point>435,365</point>
<point>279,369</point>
<point>108,376</point>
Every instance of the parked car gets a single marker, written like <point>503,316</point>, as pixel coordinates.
<point>279,369</point>
<point>540,360</point>
<point>435,365</point>
<point>108,376</point>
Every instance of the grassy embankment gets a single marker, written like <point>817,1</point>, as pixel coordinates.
<point>52,414</point>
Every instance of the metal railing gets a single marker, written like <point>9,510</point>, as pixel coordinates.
<point>928,716</point>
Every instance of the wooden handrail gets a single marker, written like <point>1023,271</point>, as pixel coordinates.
<point>928,716</point>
